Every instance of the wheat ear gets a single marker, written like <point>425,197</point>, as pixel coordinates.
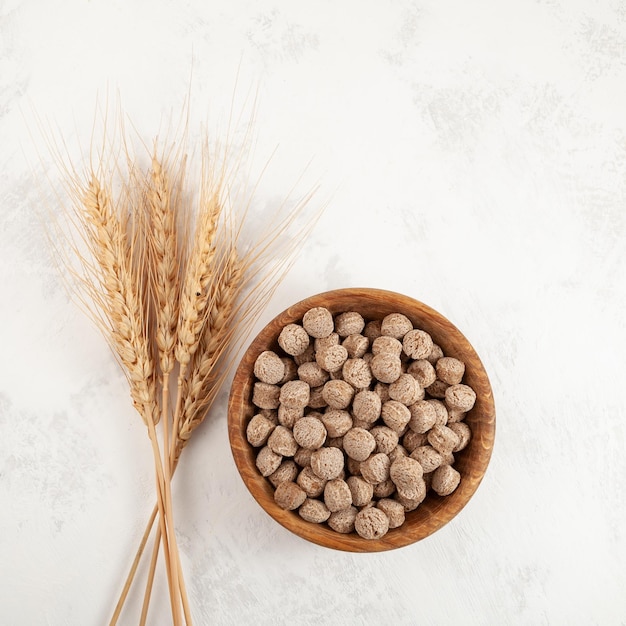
<point>163,247</point>
<point>195,293</point>
<point>164,262</point>
<point>219,328</point>
<point>125,310</point>
<point>107,237</point>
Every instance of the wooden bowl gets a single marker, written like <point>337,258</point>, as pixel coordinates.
<point>472,462</point>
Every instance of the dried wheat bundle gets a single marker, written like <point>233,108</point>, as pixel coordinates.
<point>169,272</point>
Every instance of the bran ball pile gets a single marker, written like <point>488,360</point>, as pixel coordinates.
<point>357,420</point>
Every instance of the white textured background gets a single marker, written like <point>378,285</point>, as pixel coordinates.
<point>474,154</point>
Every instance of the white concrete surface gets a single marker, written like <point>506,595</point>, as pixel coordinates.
<point>474,157</point>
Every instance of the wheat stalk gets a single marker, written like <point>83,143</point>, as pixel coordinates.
<point>164,265</point>
<point>121,276</point>
<point>195,292</point>
<point>180,311</point>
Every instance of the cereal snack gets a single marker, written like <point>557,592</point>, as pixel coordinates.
<point>357,419</point>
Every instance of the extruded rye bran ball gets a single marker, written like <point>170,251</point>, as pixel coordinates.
<point>460,397</point>
<point>314,511</point>
<point>309,432</point>
<point>360,413</point>
<point>428,458</point>
<point>395,325</point>
<point>305,357</point>
<point>386,367</point>
<point>335,442</point>
<point>443,439</point>
<point>312,374</point>
<point>423,372</point>
<point>412,440</point>
<point>417,344</point>
<point>337,495</point>
<point>311,483</point>
<point>371,523</point>
<point>316,398</point>
<point>375,469</point>
<point>423,416</point>
<point>289,496</point>
<point>327,462</point>
<point>258,430</point>
<point>288,417</point>
<point>454,415</point>
<point>384,489</point>
<point>367,406</point>
<point>362,491</point>
<point>393,510</point>
<point>450,370</point>
<point>445,480</point>
<point>357,373</point>
<point>291,369</point>
<point>372,330</point>
<point>343,521</point>
<point>287,472</point>
<point>448,458</point>
<point>356,345</point>
<point>398,451</point>
<point>382,389</point>
<point>353,467</point>
<point>463,432</point>
<point>440,410</point>
<point>405,472</point>
<point>350,323</point>
<point>282,441</point>
<point>266,396</point>
<point>322,343</point>
<point>269,368</point>
<point>386,439</point>
<point>270,414</point>
<point>406,390</point>
<point>411,499</point>
<point>337,422</point>
<point>303,457</point>
<point>293,339</point>
<point>435,354</point>
<point>437,389</point>
<point>332,358</point>
<point>396,415</point>
<point>386,344</point>
<point>318,322</point>
<point>294,394</point>
<point>358,444</point>
<point>267,461</point>
<point>338,394</point>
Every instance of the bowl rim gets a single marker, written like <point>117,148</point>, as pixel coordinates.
<point>435,511</point>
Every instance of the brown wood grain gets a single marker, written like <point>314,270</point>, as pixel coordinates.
<point>472,462</point>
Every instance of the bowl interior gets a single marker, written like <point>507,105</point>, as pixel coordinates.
<point>472,462</point>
